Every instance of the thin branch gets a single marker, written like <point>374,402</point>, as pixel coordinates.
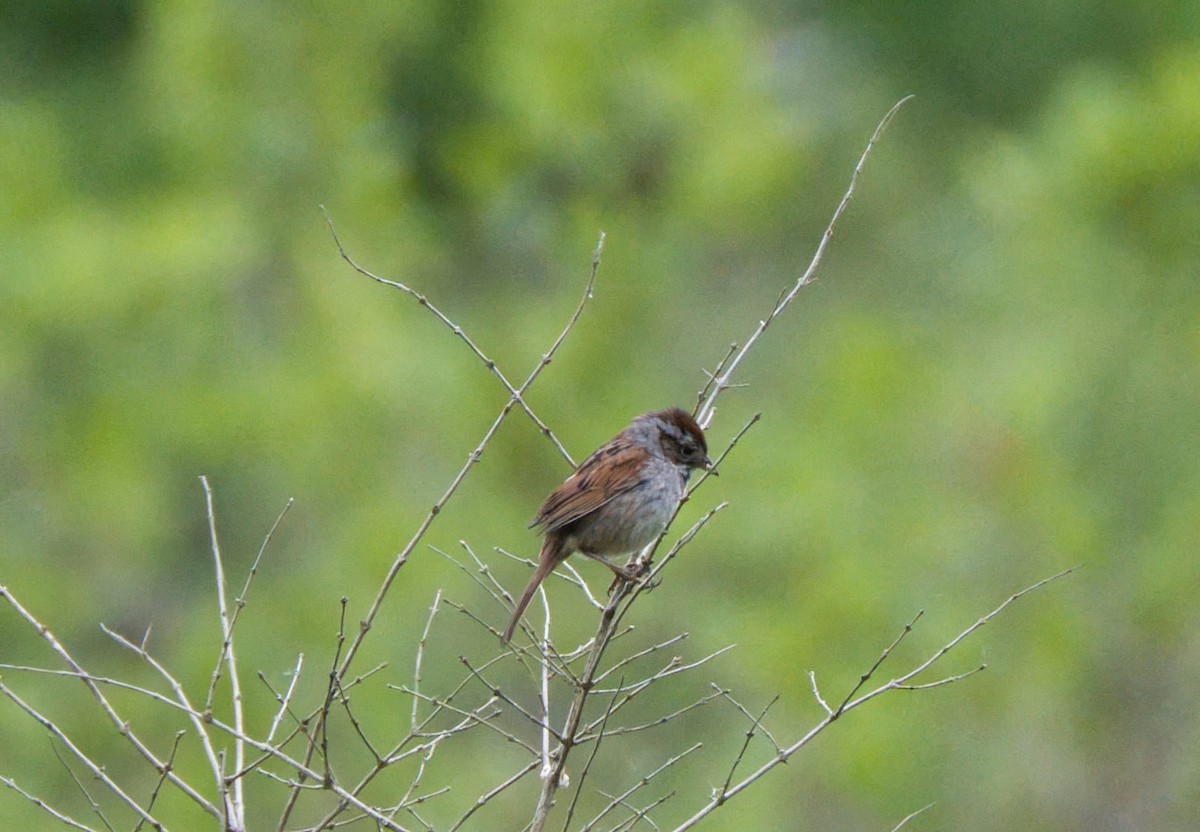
<point>642,783</point>
<point>654,648</point>
<point>901,824</point>
<point>712,377</point>
<point>487,796</point>
<point>286,698</point>
<point>721,796</point>
<point>706,410</point>
<point>121,725</point>
<point>422,300</point>
<point>756,720</point>
<point>499,694</point>
<point>903,680</point>
<point>433,609</point>
<point>866,677</point>
<point>587,736</point>
<point>96,769</point>
<point>96,810</point>
<point>949,680</point>
<point>197,718</point>
<point>641,814</point>
<point>402,558</point>
<point>673,668</point>
<point>236,806</point>
<point>44,806</point>
<point>484,719</point>
<point>812,675</point>
<point>162,778</point>
<point>587,767</point>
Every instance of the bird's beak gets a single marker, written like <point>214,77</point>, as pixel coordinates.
<point>708,466</point>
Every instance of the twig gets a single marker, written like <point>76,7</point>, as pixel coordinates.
<point>712,377</point>
<point>642,783</point>
<point>720,797</point>
<point>587,767</point>
<point>422,300</point>
<point>901,824</point>
<point>162,779</point>
<point>641,814</point>
<point>96,810</point>
<point>487,796</point>
<point>235,806</point>
<point>96,770</point>
<point>433,609</point>
<point>630,659</point>
<point>286,698</point>
<point>499,694</point>
<point>121,724</point>
<point>402,558</point>
<point>705,411</point>
<point>757,721</point>
<point>812,675</point>
<point>239,603</point>
<point>673,668</point>
<point>44,806</point>
<point>197,718</point>
<point>947,681</point>
<point>587,736</point>
<point>482,719</point>
<point>866,677</point>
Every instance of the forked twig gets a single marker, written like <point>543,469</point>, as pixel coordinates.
<point>111,712</point>
<point>721,796</point>
<point>473,458</point>
<point>458,331</point>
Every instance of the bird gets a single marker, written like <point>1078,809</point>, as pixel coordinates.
<point>620,498</point>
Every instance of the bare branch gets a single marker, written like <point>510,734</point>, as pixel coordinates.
<point>947,681</point>
<point>402,558</point>
<point>587,767</point>
<point>756,721</point>
<point>459,333</point>
<point>235,808</point>
<point>901,824</point>
<point>433,609</point>
<point>812,675</point>
<point>162,779</point>
<point>706,410</point>
<point>286,698</point>
<point>499,694</point>
<point>642,783</point>
<point>121,725</point>
<point>587,736</point>
<point>722,795</point>
<point>486,797</point>
<point>44,806</point>
<point>96,769</point>
<point>630,659</point>
<point>96,810</point>
<point>866,677</point>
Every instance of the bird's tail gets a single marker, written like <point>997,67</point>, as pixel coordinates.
<point>550,557</point>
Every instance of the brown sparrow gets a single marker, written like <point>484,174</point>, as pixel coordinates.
<point>620,498</point>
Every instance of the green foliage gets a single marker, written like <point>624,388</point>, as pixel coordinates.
<point>995,377</point>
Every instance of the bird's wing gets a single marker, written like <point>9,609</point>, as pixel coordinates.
<point>610,472</point>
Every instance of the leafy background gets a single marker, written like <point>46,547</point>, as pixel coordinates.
<point>996,376</point>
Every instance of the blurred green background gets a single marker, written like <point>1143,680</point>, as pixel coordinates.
<point>995,377</point>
